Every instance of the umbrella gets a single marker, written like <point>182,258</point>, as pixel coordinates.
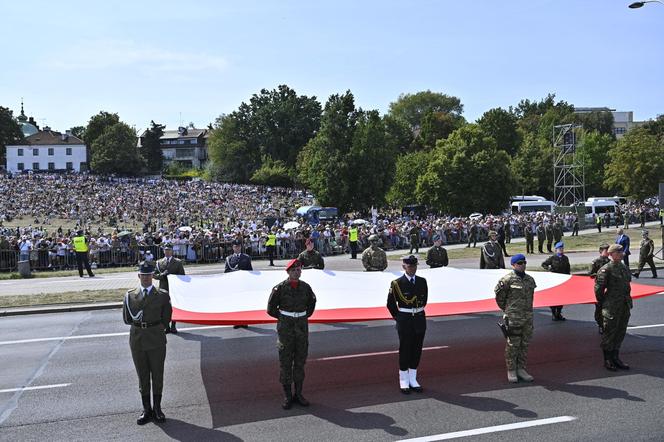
<point>185,228</point>
<point>359,221</point>
<point>291,225</point>
<point>124,233</point>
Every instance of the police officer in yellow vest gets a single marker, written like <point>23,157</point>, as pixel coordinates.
<point>271,246</point>
<point>81,248</point>
<point>352,241</point>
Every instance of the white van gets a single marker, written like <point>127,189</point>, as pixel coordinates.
<point>533,206</point>
<point>616,199</point>
<point>600,207</point>
<point>527,198</point>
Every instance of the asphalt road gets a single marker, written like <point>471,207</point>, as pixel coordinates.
<point>221,383</point>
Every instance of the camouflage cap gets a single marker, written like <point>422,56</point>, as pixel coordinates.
<point>615,248</point>
<point>373,238</point>
<point>644,233</point>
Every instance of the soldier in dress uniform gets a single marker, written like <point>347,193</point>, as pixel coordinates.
<point>472,234</point>
<point>500,230</point>
<point>541,236</point>
<point>597,264</point>
<point>374,258</point>
<point>492,253</point>
<point>530,238</point>
<point>557,231</point>
<point>292,302</point>
<point>437,255</point>
<point>646,254</point>
<point>548,229</point>
<point>168,265</point>
<point>238,261</point>
<point>414,236</point>
<point>406,301</point>
<point>148,311</point>
<point>612,290</point>
<point>508,231</point>
<point>557,263</point>
<point>311,258</point>
<point>514,295</point>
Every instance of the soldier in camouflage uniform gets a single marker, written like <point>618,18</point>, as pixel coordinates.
<point>557,263</point>
<point>612,290</point>
<point>514,295</point>
<point>646,254</point>
<point>414,236</point>
<point>541,236</point>
<point>530,238</point>
<point>597,264</point>
<point>374,258</point>
<point>292,302</point>
<point>492,253</point>
<point>437,255</point>
<point>472,235</point>
<point>310,258</point>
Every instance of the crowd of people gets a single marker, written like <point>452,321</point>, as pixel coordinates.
<point>127,220</point>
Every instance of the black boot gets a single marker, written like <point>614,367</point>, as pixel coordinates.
<point>158,414</point>
<point>173,329</point>
<point>298,395</point>
<point>617,362</point>
<point>608,361</point>
<point>146,414</point>
<point>288,397</point>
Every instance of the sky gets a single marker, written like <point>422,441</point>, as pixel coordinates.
<point>177,62</point>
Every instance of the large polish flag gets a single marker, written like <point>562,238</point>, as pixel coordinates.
<point>241,297</point>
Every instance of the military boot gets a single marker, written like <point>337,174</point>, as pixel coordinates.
<point>146,414</point>
<point>404,385</point>
<point>512,378</point>
<point>617,362</point>
<point>412,381</point>
<point>288,397</point>
<point>159,416</point>
<point>298,395</point>
<point>522,374</point>
<point>608,361</point>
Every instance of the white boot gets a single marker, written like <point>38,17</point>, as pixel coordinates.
<point>523,375</point>
<point>412,380</point>
<point>512,377</point>
<point>403,381</point>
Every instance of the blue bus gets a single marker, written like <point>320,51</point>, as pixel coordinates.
<point>316,214</point>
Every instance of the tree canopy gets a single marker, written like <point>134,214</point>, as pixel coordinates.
<point>98,124</point>
<point>412,108</point>
<point>151,147</point>
<point>115,152</point>
<point>10,132</point>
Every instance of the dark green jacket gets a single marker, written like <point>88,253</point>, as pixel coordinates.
<point>156,309</point>
<point>295,300</point>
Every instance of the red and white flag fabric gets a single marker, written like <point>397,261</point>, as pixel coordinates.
<point>241,297</point>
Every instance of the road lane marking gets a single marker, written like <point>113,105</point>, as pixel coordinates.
<point>40,387</point>
<point>101,335</point>
<point>494,429</point>
<point>379,353</point>
<point>637,327</point>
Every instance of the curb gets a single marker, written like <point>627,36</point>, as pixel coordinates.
<point>18,311</point>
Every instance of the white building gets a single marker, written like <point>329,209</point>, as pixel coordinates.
<point>48,150</point>
<point>623,121</point>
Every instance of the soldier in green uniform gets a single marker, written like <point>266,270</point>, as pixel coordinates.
<point>148,311</point>
<point>310,258</point>
<point>612,290</point>
<point>557,263</point>
<point>374,258</point>
<point>437,255</point>
<point>548,229</point>
<point>557,231</point>
<point>541,236</point>
<point>514,295</point>
<point>292,302</point>
<point>491,253</point>
<point>168,265</point>
<point>597,264</point>
<point>406,301</point>
<point>472,234</point>
<point>414,236</point>
<point>646,254</point>
<point>530,238</point>
<point>508,231</point>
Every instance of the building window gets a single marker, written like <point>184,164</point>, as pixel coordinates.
<point>70,166</point>
<point>619,130</point>
<point>35,166</point>
<point>184,153</point>
<point>20,166</point>
<point>68,151</point>
<point>20,152</point>
<point>50,151</point>
<point>51,166</point>
<point>35,152</point>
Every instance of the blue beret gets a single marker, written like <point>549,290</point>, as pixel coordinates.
<point>559,245</point>
<point>517,257</point>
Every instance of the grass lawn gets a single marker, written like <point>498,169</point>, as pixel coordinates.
<point>85,296</point>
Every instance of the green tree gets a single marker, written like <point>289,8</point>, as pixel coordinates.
<point>97,125</point>
<point>232,158</point>
<point>151,147</point>
<point>10,132</point>
<point>540,116</point>
<point>593,151</point>
<point>272,172</point>
<point>655,127</point>
<point>408,167</point>
<point>438,126</point>
<point>467,173</point>
<point>532,167</point>
<point>115,151</point>
<point>601,122</point>
<point>398,134</point>
<point>78,131</point>
<point>412,108</point>
<point>502,126</point>
<point>636,164</point>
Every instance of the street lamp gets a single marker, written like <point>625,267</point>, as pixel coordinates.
<point>637,5</point>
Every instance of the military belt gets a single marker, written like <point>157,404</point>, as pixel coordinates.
<point>146,324</point>
<point>411,310</point>
<point>293,314</point>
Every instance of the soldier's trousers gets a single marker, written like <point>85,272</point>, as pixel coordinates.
<point>411,329</point>
<point>516,348</point>
<point>472,239</point>
<point>651,262</point>
<point>615,327</point>
<point>530,246</point>
<point>150,366</point>
<point>540,245</point>
<point>549,242</point>
<point>293,346</point>
<point>82,260</point>
<point>414,245</point>
<point>270,253</point>
<point>599,319</point>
